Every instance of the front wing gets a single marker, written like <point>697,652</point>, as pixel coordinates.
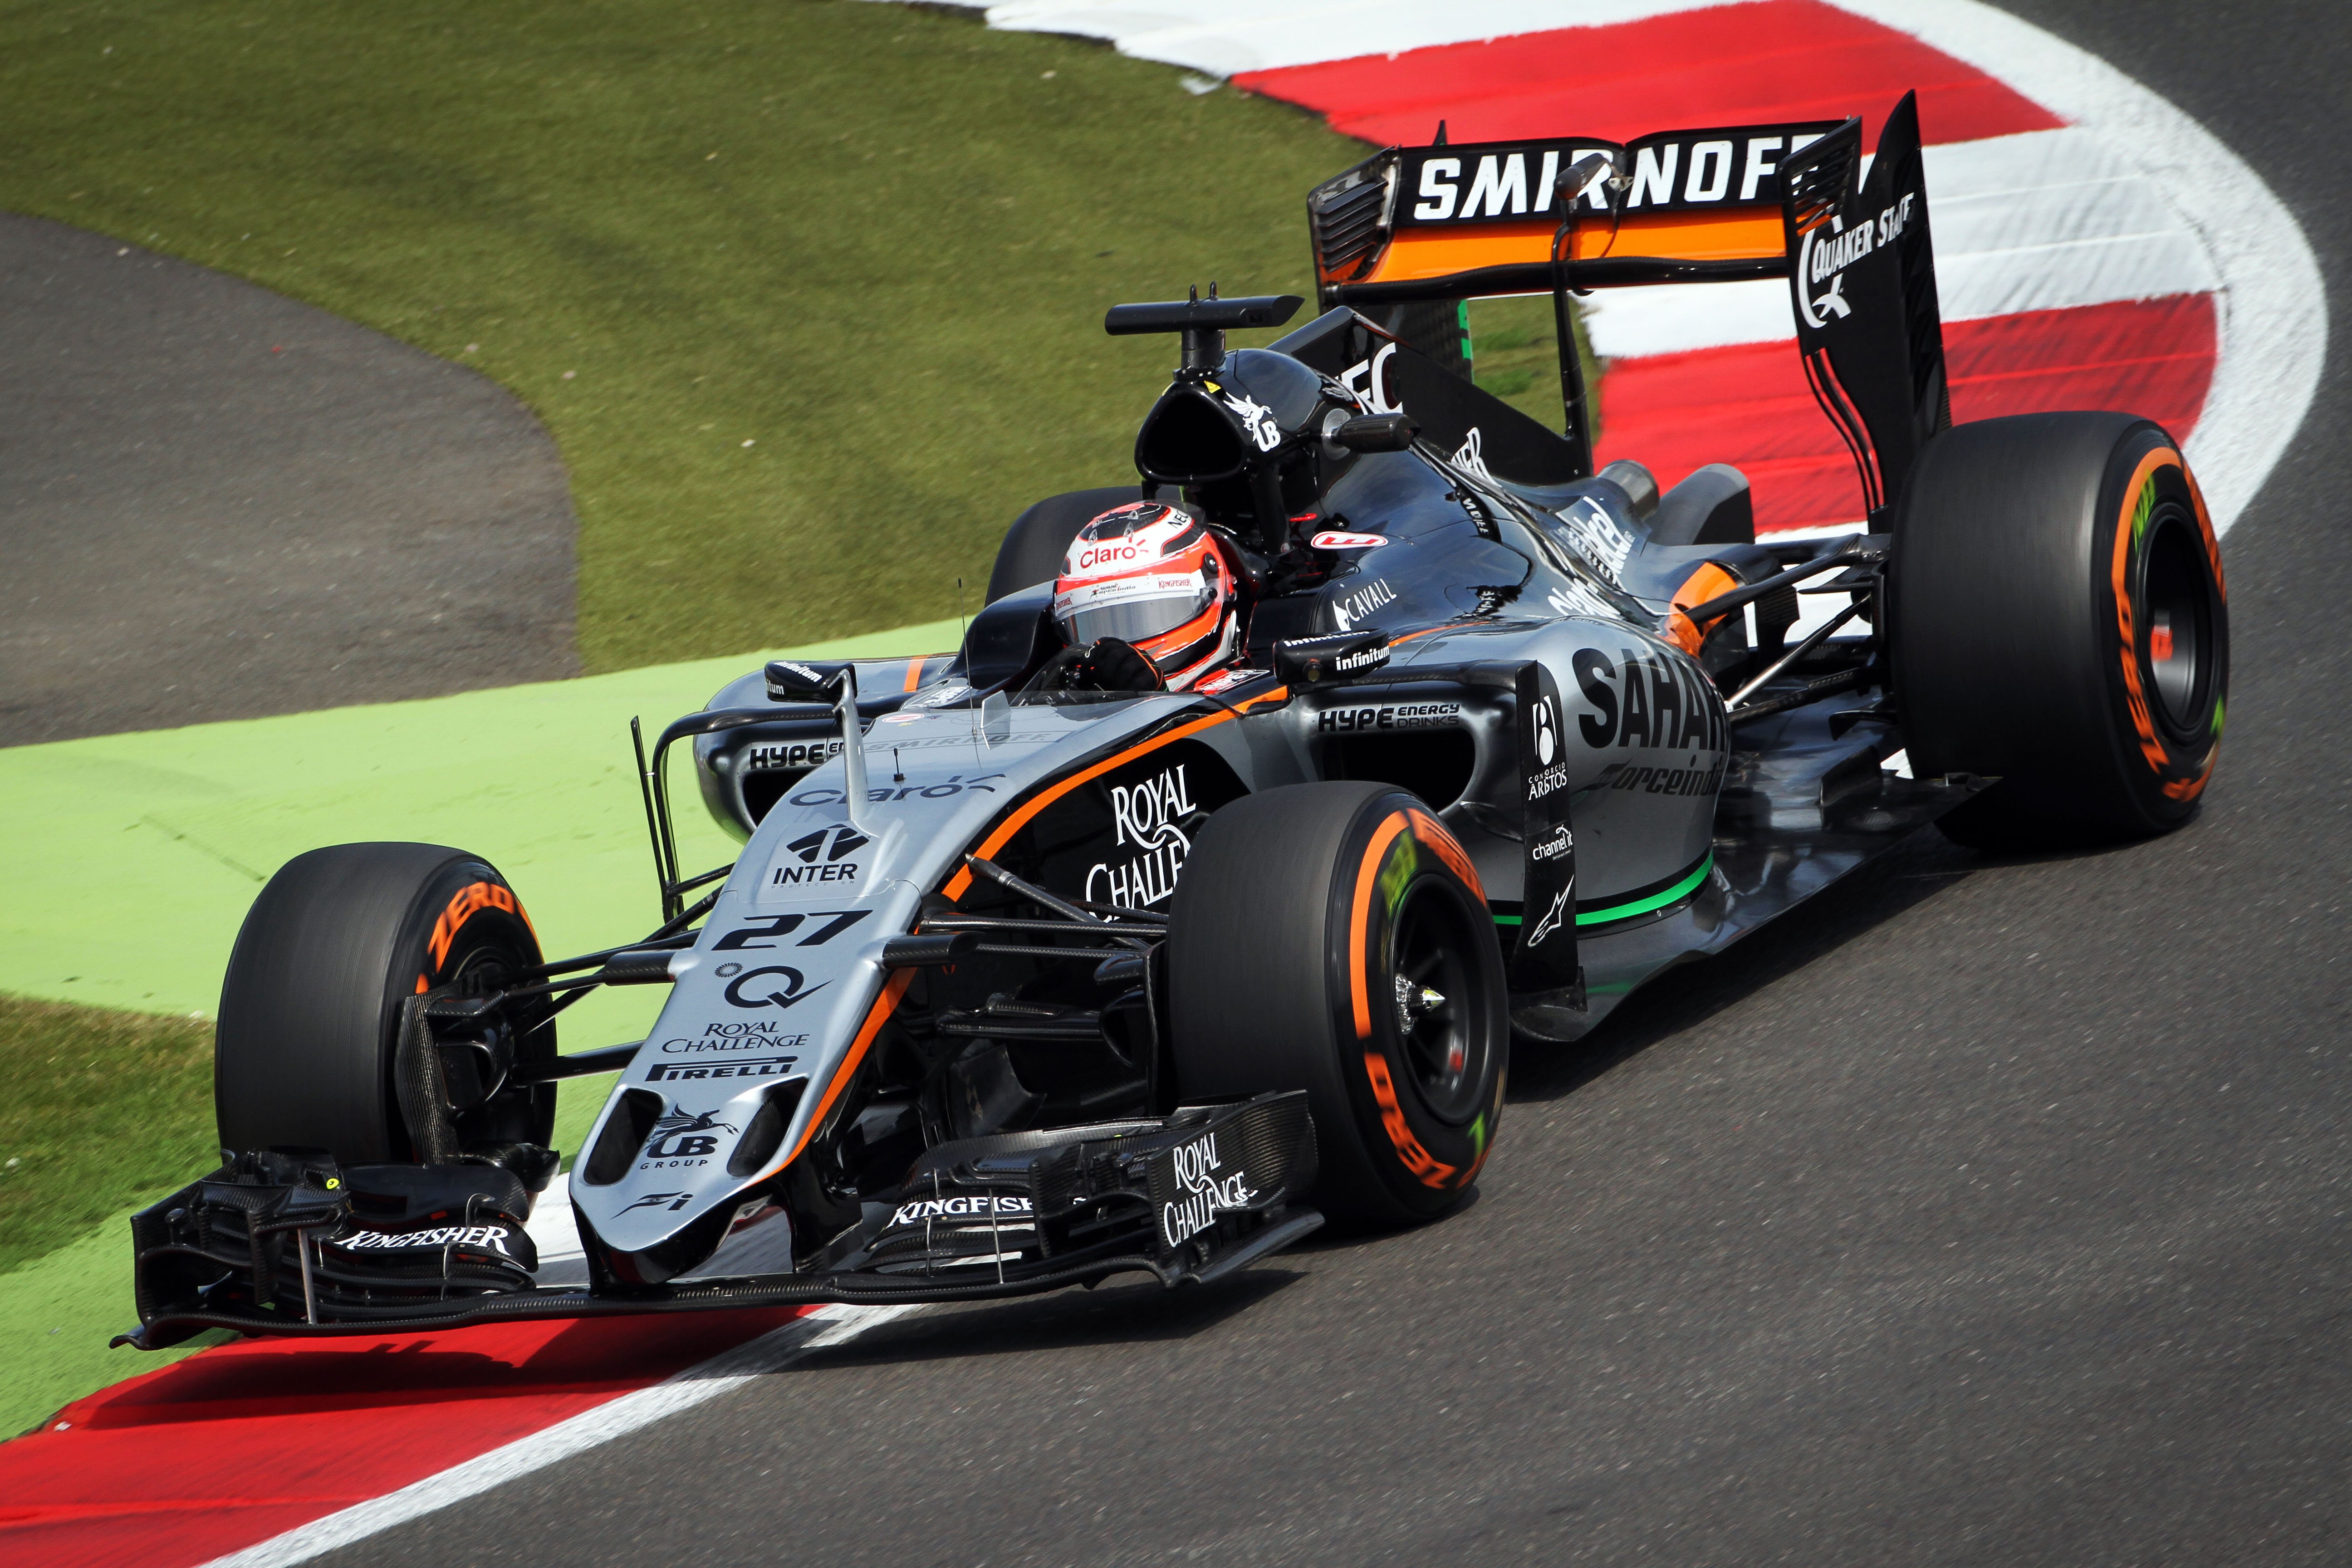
<point>1188,1198</point>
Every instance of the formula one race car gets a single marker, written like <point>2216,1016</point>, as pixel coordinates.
<point>1204,889</point>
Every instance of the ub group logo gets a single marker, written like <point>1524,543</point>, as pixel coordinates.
<point>1144,816</point>
<point>683,1137</point>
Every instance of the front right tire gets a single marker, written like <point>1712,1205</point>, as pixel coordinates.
<point>1333,937</point>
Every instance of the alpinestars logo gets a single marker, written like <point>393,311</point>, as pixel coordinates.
<point>823,856</point>
<point>683,1137</point>
<point>1554,917</point>
<point>1145,815</point>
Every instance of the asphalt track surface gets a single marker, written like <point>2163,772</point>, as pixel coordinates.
<point>217,503</point>
<point>1995,1211</point>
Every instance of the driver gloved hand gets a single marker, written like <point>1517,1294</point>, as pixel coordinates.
<point>1105,664</point>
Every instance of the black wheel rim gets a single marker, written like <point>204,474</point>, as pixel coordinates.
<point>2176,611</point>
<point>1440,1010</point>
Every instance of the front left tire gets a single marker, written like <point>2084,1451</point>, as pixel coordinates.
<point>311,1005</point>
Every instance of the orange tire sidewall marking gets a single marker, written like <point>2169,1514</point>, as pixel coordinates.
<point>1426,1167</point>
<point>2152,749</point>
<point>469,901</point>
<point>1431,832</point>
<point>1431,1170</point>
<point>1360,918</point>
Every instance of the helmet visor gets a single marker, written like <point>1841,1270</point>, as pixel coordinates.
<point>1132,609</point>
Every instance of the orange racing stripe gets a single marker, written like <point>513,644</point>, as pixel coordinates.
<point>960,882</point>
<point>876,1017</point>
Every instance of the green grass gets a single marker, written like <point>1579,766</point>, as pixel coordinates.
<point>110,1111</point>
<point>1512,357</point>
<point>876,241</point>
<point>55,1316</point>
<point>131,860</point>
<point>124,1106</point>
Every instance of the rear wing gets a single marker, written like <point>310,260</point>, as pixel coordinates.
<point>1730,204</point>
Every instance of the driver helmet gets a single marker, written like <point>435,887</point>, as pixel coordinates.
<point>1152,576</point>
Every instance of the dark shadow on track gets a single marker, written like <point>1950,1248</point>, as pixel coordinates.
<point>1144,1313</point>
<point>1683,999</point>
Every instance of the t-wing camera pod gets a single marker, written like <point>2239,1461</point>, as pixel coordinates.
<point>1203,323</point>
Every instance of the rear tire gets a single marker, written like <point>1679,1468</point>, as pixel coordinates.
<point>1033,547</point>
<point>310,1007</point>
<point>2058,620</point>
<point>1308,925</point>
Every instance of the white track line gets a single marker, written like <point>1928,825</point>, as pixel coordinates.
<point>2271,309</point>
<point>724,1374</point>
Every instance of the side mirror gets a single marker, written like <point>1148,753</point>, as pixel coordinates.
<point>1377,433</point>
<point>1317,661</point>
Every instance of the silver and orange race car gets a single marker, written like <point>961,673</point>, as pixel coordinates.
<point>1035,967</point>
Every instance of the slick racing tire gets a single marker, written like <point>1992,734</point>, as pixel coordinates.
<point>1332,937</point>
<point>1033,547</point>
<point>2058,621</point>
<point>312,1006</point>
